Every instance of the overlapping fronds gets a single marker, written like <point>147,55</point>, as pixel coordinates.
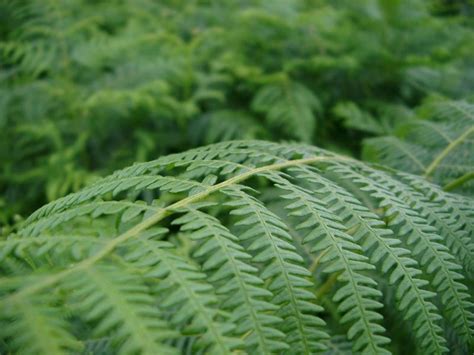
<point>119,82</point>
<point>185,254</point>
<point>440,147</point>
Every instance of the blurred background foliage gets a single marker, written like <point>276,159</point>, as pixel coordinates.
<point>89,86</point>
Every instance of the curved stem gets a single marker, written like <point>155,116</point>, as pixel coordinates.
<point>447,150</point>
<point>459,181</point>
<point>155,218</point>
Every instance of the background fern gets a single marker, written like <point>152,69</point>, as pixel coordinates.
<point>439,146</point>
<point>243,246</point>
<point>89,87</point>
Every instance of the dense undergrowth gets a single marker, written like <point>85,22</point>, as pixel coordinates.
<point>220,236</point>
<point>87,87</point>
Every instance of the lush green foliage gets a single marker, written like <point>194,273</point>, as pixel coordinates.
<point>236,246</point>
<point>241,245</point>
<point>87,87</point>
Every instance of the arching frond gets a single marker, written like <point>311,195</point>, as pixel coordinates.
<point>267,237</point>
<point>237,281</point>
<point>424,242</point>
<point>185,254</point>
<point>439,148</point>
<point>36,326</point>
<point>385,251</point>
<point>117,303</point>
<point>339,254</point>
<point>187,293</point>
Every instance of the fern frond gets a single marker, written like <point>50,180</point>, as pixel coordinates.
<point>122,307</point>
<point>460,208</point>
<point>326,233</point>
<point>289,106</point>
<point>424,243</point>
<point>225,125</point>
<point>228,158</point>
<point>182,254</point>
<point>450,226</point>
<point>187,293</point>
<point>406,156</point>
<point>384,251</point>
<point>35,326</point>
<point>439,149</point>
<point>39,246</point>
<point>114,186</point>
<point>128,210</point>
<point>237,281</point>
<point>355,118</point>
<point>267,237</point>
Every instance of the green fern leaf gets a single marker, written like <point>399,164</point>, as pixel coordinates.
<point>121,306</point>
<point>267,237</point>
<point>184,254</point>
<point>424,243</point>
<point>440,149</point>
<point>237,281</point>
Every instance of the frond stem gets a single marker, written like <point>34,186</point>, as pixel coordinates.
<point>459,181</point>
<point>447,151</point>
<point>158,216</point>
